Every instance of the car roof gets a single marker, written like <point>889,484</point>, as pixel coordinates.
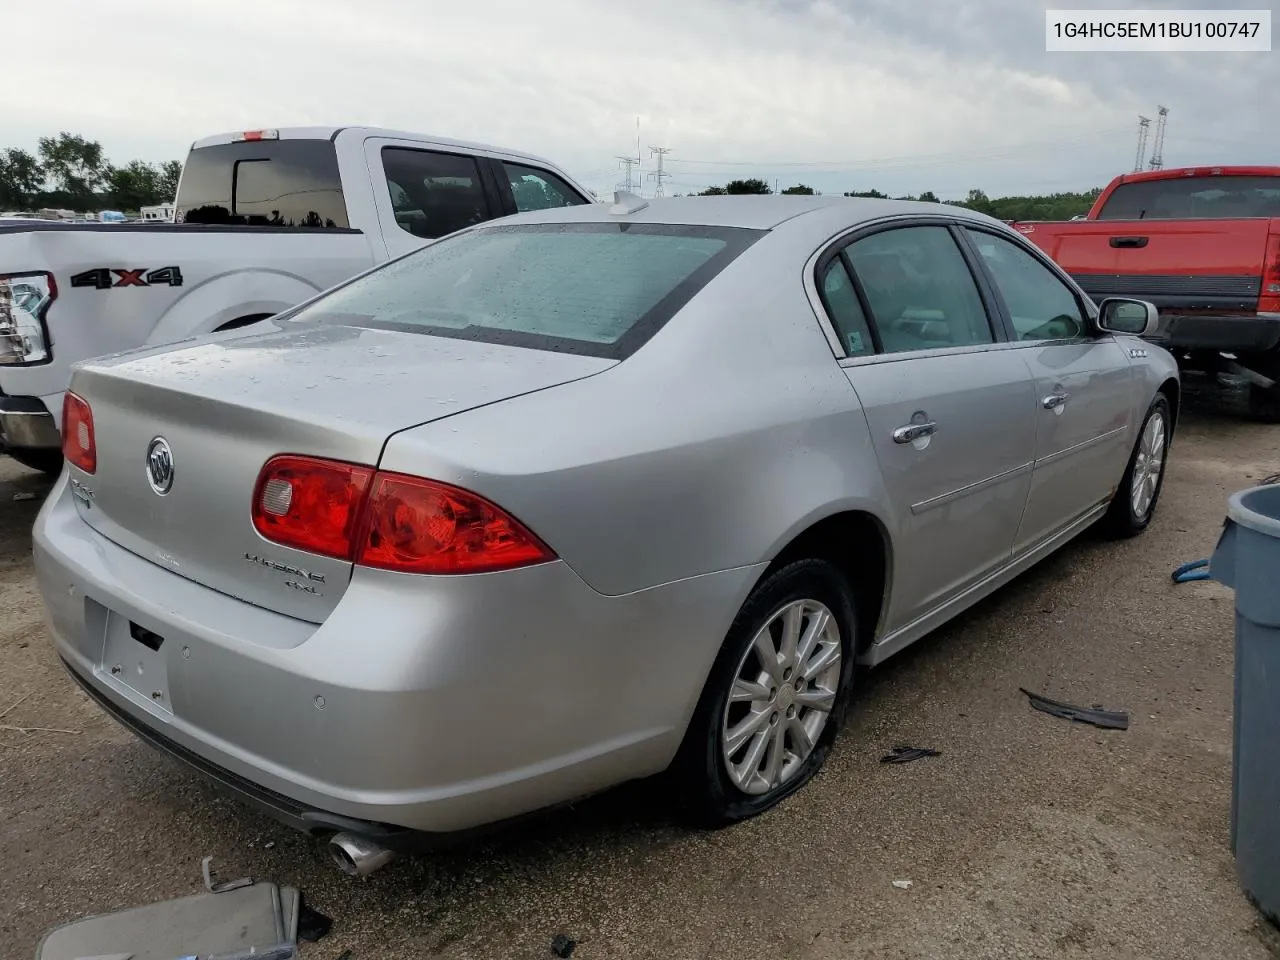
<point>755,212</point>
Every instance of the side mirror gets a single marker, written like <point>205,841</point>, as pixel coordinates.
<point>1136,318</point>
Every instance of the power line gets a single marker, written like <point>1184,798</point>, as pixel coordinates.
<point>1144,123</point>
<point>659,174</point>
<point>1157,151</point>
<point>984,153</point>
<point>628,162</point>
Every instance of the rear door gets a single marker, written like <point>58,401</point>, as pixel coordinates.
<point>1083,382</point>
<point>951,413</point>
<point>424,193</point>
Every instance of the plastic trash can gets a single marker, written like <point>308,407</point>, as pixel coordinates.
<point>1247,559</point>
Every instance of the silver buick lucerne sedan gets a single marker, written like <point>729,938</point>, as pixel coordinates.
<point>584,495</point>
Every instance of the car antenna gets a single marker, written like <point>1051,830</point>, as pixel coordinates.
<point>625,202</point>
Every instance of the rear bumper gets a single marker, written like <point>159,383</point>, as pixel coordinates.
<point>26,423</point>
<point>427,704</point>
<point>1230,333</point>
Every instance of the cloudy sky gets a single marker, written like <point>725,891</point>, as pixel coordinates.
<point>900,95</point>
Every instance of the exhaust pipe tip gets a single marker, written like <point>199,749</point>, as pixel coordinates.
<point>358,856</point>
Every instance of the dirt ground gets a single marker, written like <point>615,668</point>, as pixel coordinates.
<point>1029,837</point>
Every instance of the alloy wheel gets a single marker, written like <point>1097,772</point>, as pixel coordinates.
<point>783,693</point>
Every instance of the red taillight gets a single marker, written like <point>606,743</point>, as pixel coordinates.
<point>387,520</point>
<point>1269,301</point>
<point>310,504</point>
<point>78,444</point>
<point>422,526</point>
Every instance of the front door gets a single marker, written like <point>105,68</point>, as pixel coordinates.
<point>951,412</point>
<point>1083,386</point>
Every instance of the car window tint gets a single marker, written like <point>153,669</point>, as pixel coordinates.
<point>573,287</point>
<point>1041,306</point>
<point>845,310</point>
<point>434,194</point>
<point>919,289</point>
<point>538,189</point>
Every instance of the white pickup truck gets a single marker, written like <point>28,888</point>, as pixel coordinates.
<point>263,221</point>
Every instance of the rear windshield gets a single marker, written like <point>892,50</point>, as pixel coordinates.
<point>600,289</point>
<point>1194,198</point>
<point>278,183</point>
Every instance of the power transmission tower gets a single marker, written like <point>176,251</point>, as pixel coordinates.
<point>659,174</point>
<point>628,162</point>
<point>1144,124</point>
<point>1157,151</point>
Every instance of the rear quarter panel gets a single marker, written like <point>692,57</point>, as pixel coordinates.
<point>709,449</point>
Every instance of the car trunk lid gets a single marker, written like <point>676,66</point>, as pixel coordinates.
<point>225,406</point>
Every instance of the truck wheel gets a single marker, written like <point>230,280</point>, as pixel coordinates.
<point>1264,403</point>
<point>46,461</point>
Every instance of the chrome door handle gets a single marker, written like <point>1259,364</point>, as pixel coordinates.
<point>914,431</point>
<point>1055,400</point>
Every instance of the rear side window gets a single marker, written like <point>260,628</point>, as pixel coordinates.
<point>434,194</point>
<point>282,183</point>
<point>600,289</point>
<point>1194,198</point>
<point>534,189</point>
<point>919,290</point>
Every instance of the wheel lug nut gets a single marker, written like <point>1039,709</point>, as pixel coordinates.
<point>773,719</point>
<point>786,674</point>
<point>791,711</point>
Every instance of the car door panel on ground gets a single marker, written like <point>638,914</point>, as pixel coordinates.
<point>1083,386</point>
<point>952,417</point>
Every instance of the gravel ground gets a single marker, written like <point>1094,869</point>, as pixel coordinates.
<point>1028,837</point>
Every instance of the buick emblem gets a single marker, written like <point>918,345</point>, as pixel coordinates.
<point>160,465</point>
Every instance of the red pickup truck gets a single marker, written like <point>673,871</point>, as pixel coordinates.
<point>1203,245</point>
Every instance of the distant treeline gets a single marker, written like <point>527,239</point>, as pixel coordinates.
<point>71,173</point>
<point>1053,206</point>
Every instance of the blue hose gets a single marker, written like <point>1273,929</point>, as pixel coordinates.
<point>1195,570</point>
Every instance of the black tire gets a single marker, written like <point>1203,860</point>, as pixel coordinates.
<point>46,461</point>
<point>709,795</point>
<point>1264,402</point>
<point>1122,520</point>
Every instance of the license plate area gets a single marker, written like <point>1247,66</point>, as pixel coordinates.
<point>135,659</point>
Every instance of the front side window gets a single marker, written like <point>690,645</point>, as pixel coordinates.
<point>594,288</point>
<point>434,194</point>
<point>1040,305</point>
<point>534,189</point>
<point>919,290</point>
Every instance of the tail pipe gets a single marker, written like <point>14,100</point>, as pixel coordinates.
<point>358,856</point>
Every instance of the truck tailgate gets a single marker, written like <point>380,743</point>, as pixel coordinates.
<point>1188,264</point>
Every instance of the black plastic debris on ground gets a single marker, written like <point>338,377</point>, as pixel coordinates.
<point>1107,719</point>
<point>907,754</point>
<point>312,924</point>
<point>562,946</point>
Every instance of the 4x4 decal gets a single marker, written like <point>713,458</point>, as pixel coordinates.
<point>102,278</point>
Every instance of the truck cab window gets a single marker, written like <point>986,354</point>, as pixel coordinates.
<point>433,193</point>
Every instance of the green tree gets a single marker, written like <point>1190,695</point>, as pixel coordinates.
<point>134,186</point>
<point>875,194</point>
<point>74,165</point>
<point>20,178</point>
<point>752,186</point>
<point>713,192</point>
<point>167,185</point>
<point>801,189</point>
<point>928,197</point>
